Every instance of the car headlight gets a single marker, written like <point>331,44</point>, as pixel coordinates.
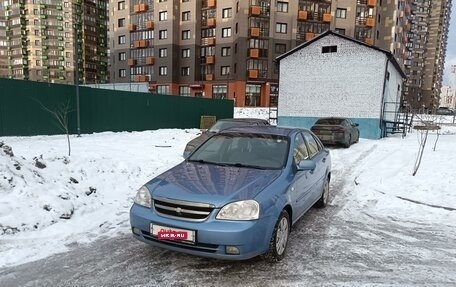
<point>240,210</point>
<point>143,197</point>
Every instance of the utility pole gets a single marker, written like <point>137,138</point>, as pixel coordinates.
<point>76,53</point>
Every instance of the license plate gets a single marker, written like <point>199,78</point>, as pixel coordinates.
<point>171,233</point>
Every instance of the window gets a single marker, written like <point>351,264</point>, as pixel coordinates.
<point>225,70</point>
<point>300,149</point>
<point>185,34</point>
<point>226,32</point>
<point>252,95</point>
<point>121,22</point>
<point>163,71</point>
<point>163,53</point>
<point>185,71</point>
<point>186,16</point>
<point>281,28</point>
<point>122,39</point>
<point>185,53</point>
<point>37,42</point>
<point>163,16</point>
<point>184,91</point>
<point>219,92</point>
<point>163,89</point>
<point>341,13</point>
<point>122,56</point>
<point>280,48</point>
<point>340,31</point>
<point>122,73</point>
<point>226,51</point>
<point>282,6</point>
<point>162,34</point>
<point>329,49</point>
<point>121,5</point>
<point>162,1</point>
<point>312,145</point>
<point>227,13</point>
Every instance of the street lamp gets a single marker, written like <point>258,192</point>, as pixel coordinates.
<point>78,120</point>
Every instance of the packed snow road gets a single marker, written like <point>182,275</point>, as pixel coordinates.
<point>323,251</point>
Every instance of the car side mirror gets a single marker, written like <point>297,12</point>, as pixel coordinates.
<point>306,164</point>
<point>356,125</point>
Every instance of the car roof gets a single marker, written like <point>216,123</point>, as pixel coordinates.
<point>333,118</point>
<point>270,130</point>
<point>247,120</point>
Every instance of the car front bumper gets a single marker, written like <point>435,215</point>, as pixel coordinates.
<point>212,236</point>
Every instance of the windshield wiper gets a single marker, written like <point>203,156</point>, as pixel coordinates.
<point>248,165</point>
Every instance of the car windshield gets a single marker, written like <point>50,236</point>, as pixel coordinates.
<point>329,121</point>
<point>243,150</point>
<point>223,125</point>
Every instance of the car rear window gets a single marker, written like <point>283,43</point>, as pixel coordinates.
<point>329,121</point>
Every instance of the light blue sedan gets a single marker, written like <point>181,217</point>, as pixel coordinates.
<point>237,195</point>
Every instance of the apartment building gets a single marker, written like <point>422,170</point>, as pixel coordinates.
<point>430,24</point>
<point>42,40</point>
<point>227,48</point>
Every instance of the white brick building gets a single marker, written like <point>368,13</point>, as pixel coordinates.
<point>334,75</point>
<point>447,97</point>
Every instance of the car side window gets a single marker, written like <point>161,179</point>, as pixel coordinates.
<point>312,144</point>
<point>300,149</point>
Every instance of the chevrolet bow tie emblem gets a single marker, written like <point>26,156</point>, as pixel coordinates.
<point>178,210</point>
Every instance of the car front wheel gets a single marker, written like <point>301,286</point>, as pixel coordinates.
<point>279,239</point>
<point>323,201</point>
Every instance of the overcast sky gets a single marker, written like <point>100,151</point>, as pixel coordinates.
<point>451,49</point>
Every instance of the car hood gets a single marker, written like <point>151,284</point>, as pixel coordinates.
<point>210,183</point>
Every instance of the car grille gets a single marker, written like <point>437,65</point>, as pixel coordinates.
<point>183,209</point>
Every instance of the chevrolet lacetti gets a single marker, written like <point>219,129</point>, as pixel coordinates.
<point>237,195</point>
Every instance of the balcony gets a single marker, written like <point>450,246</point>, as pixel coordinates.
<point>327,17</point>
<point>208,41</point>
<point>371,3</point>
<point>253,74</point>
<point>302,15</point>
<point>142,78</point>
<point>149,25</point>
<point>138,8</point>
<point>309,36</point>
<point>210,4</point>
<point>369,41</point>
<point>132,62</point>
<point>141,44</point>
<point>254,53</point>
<point>131,27</point>
<point>254,32</point>
<point>211,22</point>
<point>370,22</point>
<point>255,10</point>
<point>209,77</point>
<point>150,60</point>
<point>210,59</point>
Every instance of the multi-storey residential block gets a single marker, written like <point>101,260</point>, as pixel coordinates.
<point>227,48</point>
<point>42,40</point>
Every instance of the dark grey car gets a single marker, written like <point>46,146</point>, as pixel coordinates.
<point>336,131</point>
<point>220,125</point>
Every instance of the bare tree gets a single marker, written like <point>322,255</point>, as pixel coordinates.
<point>60,113</point>
<point>425,124</point>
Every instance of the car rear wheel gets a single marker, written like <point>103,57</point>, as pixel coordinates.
<point>279,239</point>
<point>348,143</point>
<point>323,201</point>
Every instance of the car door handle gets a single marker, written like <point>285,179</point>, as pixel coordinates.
<point>324,159</point>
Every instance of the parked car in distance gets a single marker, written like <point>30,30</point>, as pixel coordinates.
<point>335,131</point>
<point>444,111</point>
<point>237,195</point>
<point>221,125</point>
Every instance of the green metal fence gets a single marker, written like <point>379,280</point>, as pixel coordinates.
<point>23,111</point>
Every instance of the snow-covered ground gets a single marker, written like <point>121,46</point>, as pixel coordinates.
<point>50,201</point>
